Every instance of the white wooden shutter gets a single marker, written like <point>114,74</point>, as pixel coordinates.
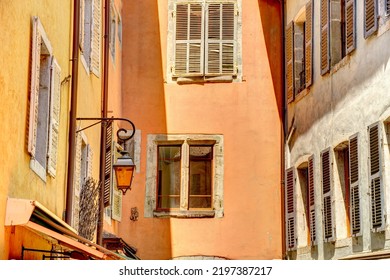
<point>354,185</point>
<point>108,165</point>
<point>326,168</point>
<point>34,86</point>
<point>377,205</point>
<point>220,38</point>
<point>81,27</point>
<point>96,37</point>
<point>291,238</point>
<point>325,49</point>
<point>312,210</point>
<point>89,161</point>
<point>116,194</point>
<point>370,17</point>
<point>77,182</point>
<point>350,26</point>
<point>289,54</point>
<point>189,46</point>
<point>309,44</point>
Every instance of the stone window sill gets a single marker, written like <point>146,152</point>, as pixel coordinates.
<point>184,214</point>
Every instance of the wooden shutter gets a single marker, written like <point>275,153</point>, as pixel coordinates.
<point>34,86</point>
<point>309,44</point>
<point>220,39</point>
<point>89,161</point>
<point>81,27</point>
<point>290,210</point>
<point>312,212</point>
<point>370,17</point>
<point>387,7</point>
<point>96,35</point>
<point>116,194</point>
<point>325,50</point>
<point>289,54</point>
<point>326,168</point>
<point>55,105</point>
<point>188,40</point>
<point>377,207</point>
<point>350,26</point>
<point>108,165</point>
<point>354,185</point>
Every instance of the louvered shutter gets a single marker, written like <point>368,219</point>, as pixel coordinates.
<point>312,212</point>
<point>77,182</point>
<point>96,35</point>
<point>55,103</point>
<point>325,50</point>
<point>188,40</point>
<point>116,195</point>
<point>326,168</point>
<point>89,161</point>
<point>387,7</point>
<point>289,49</point>
<point>370,17</point>
<point>350,26</point>
<point>108,165</point>
<point>81,27</point>
<point>290,210</point>
<point>34,86</point>
<point>309,44</point>
<point>377,207</point>
<point>220,39</point>
<point>354,185</point>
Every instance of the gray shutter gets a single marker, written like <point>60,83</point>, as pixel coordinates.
<point>55,104</point>
<point>325,50</point>
<point>377,206</point>
<point>309,44</point>
<point>387,7</point>
<point>289,54</point>
<point>220,39</point>
<point>370,17</point>
<point>291,238</point>
<point>108,166</point>
<point>354,185</point>
<point>96,37</point>
<point>350,26</point>
<point>312,210</point>
<point>188,40</point>
<point>326,168</point>
<point>116,194</point>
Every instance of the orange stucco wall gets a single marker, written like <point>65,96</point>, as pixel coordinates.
<point>248,114</point>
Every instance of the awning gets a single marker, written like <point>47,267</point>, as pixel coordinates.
<point>34,216</point>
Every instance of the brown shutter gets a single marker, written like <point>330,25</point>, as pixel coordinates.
<point>312,212</point>
<point>289,49</point>
<point>309,44</point>
<point>370,17</point>
<point>354,185</point>
<point>327,194</point>
<point>325,52</point>
<point>290,210</point>
<point>108,166</point>
<point>350,26</point>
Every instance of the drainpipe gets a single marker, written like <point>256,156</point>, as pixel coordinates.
<point>99,232</point>
<point>73,111</point>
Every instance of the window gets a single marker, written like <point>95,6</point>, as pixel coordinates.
<point>45,96</point>
<point>184,176</point>
<point>326,170</point>
<point>205,40</point>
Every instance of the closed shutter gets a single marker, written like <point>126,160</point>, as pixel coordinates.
<point>350,26</point>
<point>326,168</point>
<point>34,86</point>
<point>116,195</point>
<point>108,165</point>
<point>325,50</point>
<point>309,44</point>
<point>55,103</point>
<point>370,17</point>
<point>354,185</point>
<point>377,207</point>
<point>220,39</point>
<point>290,210</point>
<point>188,40</point>
<point>96,36</point>
<point>312,212</point>
<point>289,49</point>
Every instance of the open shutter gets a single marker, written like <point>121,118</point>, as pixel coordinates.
<point>377,207</point>
<point>326,168</point>
<point>312,214</point>
<point>81,27</point>
<point>309,44</point>
<point>289,49</point>
<point>220,39</point>
<point>354,185</point>
<point>116,194</point>
<point>350,26</point>
<point>325,50</point>
<point>55,103</point>
<point>89,161</point>
<point>96,34</point>
<point>188,40</point>
<point>108,165</point>
<point>387,7</point>
<point>77,182</point>
<point>370,17</point>
<point>291,240</point>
